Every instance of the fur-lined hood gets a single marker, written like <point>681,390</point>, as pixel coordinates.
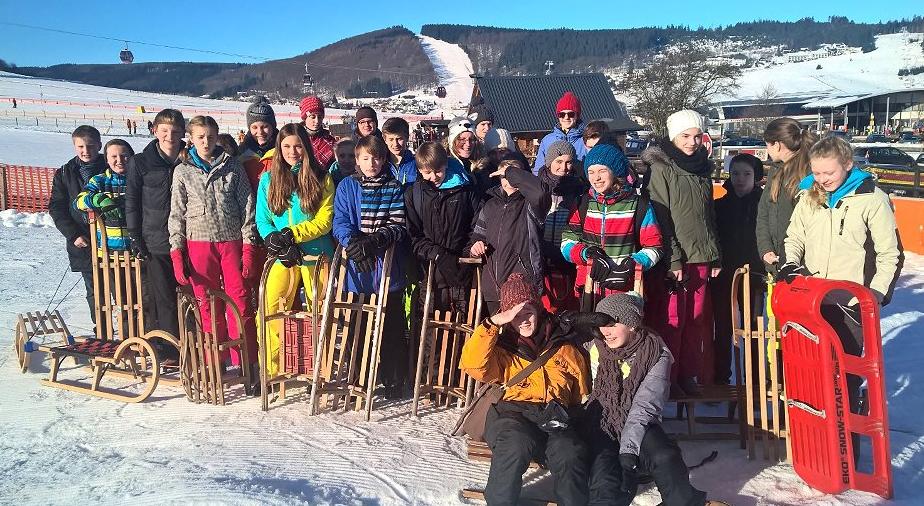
<point>654,154</point>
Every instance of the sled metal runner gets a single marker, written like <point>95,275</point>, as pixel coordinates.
<point>437,376</point>
<point>121,349</point>
<point>308,321</point>
<point>202,369</point>
<point>349,342</point>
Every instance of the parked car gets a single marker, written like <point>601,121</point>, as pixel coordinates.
<point>882,156</point>
<point>921,159</point>
<point>635,146</point>
<point>877,138</point>
<point>839,133</point>
<point>742,141</point>
<point>909,138</point>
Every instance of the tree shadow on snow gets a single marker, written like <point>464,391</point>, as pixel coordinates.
<point>297,490</point>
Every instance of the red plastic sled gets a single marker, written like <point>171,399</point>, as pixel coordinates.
<point>815,368</point>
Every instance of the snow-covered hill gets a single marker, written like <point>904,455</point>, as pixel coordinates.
<point>454,68</point>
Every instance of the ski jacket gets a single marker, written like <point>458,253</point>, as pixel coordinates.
<point>772,221</point>
<point>405,172</point>
<point>851,238</point>
<point>575,136</point>
<point>311,230</point>
<point>490,355</point>
<point>511,228</point>
<point>322,142</point>
<point>211,206</point>
<point>736,220</point>
<point>111,185</point>
<point>255,166</point>
<point>67,184</point>
<point>148,180</point>
<point>685,210</point>
<point>439,222</point>
<point>385,203</point>
<point>566,192</point>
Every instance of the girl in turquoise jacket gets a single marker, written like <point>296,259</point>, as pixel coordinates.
<point>295,210</point>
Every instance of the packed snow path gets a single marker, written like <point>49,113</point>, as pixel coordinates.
<point>453,67</point>
<point>59,447</point>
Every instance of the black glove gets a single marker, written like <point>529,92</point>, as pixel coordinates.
<point>291,256</point>
<point>620,276</point>
<point>790,270</point>
<point>601,264</point>
<point>365,264</point>
<point>277,243</point>
<point>380,239</point>
<point>138,249</point>
<point>448,266</point>
<point>580,328</point>
<point>360,248</point>
<point>629,463</point>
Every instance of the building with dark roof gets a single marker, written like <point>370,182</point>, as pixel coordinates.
<point>525,105</point>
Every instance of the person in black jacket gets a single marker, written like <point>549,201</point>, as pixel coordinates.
<point>508,231</point>
<point>68,182</point>
<point>147,207</point>
<point>736,221</point>
<point>441,209</point>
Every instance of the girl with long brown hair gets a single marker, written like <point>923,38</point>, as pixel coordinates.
<point>788,144</point>
<point>295,210</point>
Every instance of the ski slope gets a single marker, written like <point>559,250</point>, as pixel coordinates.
<point>453,68</point>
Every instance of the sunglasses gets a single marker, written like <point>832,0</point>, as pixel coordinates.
<point>567,114</point>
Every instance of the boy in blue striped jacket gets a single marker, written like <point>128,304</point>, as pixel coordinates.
<point>368,219</point>
<point>105,194</point>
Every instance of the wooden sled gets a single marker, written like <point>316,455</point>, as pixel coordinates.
<point>301,327</point>
<point>34,332</point>
<point>121,348</point>
<point>202,369</point>
<point>762,389</point>
<point>437,376</point>
<point>347,353</point>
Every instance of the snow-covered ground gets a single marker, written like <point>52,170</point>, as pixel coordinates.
<point>453,68</point>
<point>48,149</point>
<point>846,74</point>
<point>63,448</point>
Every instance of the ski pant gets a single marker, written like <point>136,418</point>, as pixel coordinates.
<point>393,357</point>
<point>217,266</point>
<point>516,439</point>
<point>660,457</point>
<point>159,291</point>
<point>845,321</point>
<point>559,294</point>
<point>683,318</point>
<point>720,291</point>
<point>282,283</point>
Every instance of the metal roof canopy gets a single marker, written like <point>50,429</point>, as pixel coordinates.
<point>526,104</point>
<point>841,101</point>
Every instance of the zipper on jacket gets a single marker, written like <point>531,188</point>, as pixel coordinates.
<point>843,217</point>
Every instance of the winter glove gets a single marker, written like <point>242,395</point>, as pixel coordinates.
<point>448,266</point>
<point>789,271</point>
<point>366,264</point>
<point>248,256</point>
<point>138,249</point>
<point>180,271</point>
<point>278,242</point>
<point>380,239</point>
<point>620,275</point>
<point>580,328</point>
<point>600,263</point>
<point>290,257</point>
<point>360,248</point>
<point>629,463</point>
<point>107,206</point>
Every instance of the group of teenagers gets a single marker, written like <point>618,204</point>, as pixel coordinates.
<point>208,212</point>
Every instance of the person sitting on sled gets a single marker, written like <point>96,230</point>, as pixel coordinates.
<point>622,418</point>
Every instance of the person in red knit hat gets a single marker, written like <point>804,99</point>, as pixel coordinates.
<point>322,141</point>
<point>570,127</point>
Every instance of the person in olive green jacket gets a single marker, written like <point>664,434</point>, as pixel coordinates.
<point>788,144</point>
<point>679,308</point>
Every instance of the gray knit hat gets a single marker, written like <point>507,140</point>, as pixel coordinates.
<point>261,110</point>
<point>558,148</point>
<point>626,308</point>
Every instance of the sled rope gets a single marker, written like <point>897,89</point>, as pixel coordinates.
<point>52,299</point>
<point>709,458</point>
<point>820,413</point>
<point>800,329</point>
<point>65,295</point>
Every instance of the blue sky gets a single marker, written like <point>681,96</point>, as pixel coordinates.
<point>274,29</point>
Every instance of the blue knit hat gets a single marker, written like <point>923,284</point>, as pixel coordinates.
<point>609,155</point>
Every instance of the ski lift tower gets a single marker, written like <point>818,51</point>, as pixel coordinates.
<point>548,67</point>
<point>307,82</point>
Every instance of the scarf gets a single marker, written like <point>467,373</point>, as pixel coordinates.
<point>88,170</point>
<point>613,392</point>
<point>697,164</point>
<point>206,167</point>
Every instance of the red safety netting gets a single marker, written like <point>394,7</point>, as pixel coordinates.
<point>27,188</point>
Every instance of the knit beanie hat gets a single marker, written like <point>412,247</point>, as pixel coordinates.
<point>482,113</point>
<point>260,110</point>
<point>683,120</point>
<point>366,112</point>
<point>626,308</point>
<point>517,289</point>
<point>569,102</point>
<point>311,105</point>
<point>609,155</point>
<point>558,148</point>
<point>498,138</point>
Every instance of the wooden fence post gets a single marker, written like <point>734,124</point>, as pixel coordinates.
<point>2,187</point>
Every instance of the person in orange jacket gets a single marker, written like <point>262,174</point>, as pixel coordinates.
<point>532,420</point>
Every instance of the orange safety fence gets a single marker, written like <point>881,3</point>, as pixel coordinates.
<point>26,188</point>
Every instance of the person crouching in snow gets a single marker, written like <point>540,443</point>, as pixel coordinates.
<point>532,420</point>
<point>612,228</point>
<point>212,230</point>
<point>368,219</point>
<point>622,418</point>
<point>294,214</point>
<point>843,227</point>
